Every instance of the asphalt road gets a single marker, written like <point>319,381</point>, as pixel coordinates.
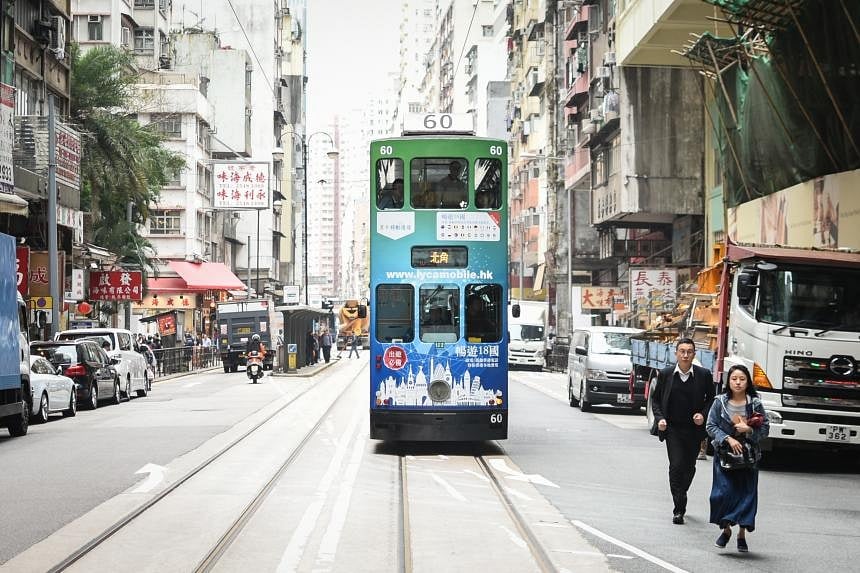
<point>613,478</point>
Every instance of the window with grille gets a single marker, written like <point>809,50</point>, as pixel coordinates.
<point>165,222</point>
<point>170,125</point>
<point>95,31</point>
<point>144,40</point>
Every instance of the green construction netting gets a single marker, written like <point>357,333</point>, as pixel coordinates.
<point>775,143</point>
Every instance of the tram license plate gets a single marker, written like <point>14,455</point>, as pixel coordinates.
<point>623,398</point>
<point>836,434</point>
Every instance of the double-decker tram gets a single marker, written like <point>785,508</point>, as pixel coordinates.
<point>438,283</point>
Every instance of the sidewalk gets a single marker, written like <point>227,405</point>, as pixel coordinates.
<point>305,371</point>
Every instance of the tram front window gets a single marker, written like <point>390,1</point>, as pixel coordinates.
<point>439,183</point>
<point>389,184</point>
<point>483,313</point>
<point>488,184</point>
<point>394,313</point>
<point>439,317</point>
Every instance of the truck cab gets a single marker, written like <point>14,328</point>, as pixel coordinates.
<point>238,321</point>
<point>527,344</point>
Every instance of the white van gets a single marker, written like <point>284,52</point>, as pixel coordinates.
<point>599,367</point>
<point>131,368</point>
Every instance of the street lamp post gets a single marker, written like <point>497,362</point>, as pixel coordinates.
<point>331,154</point>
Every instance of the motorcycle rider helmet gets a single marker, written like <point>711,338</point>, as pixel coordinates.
<point>256,338</point>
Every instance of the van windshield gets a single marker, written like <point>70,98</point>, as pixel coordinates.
<point>526,332</point>
<point>99,337</point>
<point>610,343</point>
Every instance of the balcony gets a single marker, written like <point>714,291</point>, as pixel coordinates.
<point>536,81</point>
<point>578,24</point>
<point>578,92</point>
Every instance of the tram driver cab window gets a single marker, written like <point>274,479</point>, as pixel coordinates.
<point>394,312</point>
<point>439,313</point>
<point>488,184</point>
<point>389,184</point>
<point>439,183</point>
<point>483,313</point>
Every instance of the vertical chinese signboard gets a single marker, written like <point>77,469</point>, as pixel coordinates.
<point>653,284</point>
<point>22,266</point>
<point>116,285</point>
<point>39,278</point>
<point>7,136</point>
<point>240,185</point>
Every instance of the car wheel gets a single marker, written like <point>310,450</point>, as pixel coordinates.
<point>94,396</point>
<point>584,404</point>
<point>128,390</point>
<point>146,386</point>
<point>117,395</point>
<point>73,405</point>
<point>42,414</point>
<point>573,401</point>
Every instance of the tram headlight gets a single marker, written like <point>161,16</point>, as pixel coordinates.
<point>439,391</point>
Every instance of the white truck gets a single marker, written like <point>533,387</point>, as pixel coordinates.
<point>527,344</point>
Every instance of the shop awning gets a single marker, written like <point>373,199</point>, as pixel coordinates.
<point>166,285</point>
<point>12,204</point>
<point>205,276</point>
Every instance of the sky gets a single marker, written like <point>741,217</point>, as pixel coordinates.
<point>351,44</point>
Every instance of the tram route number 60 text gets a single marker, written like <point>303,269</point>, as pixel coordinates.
<point>496,419</point>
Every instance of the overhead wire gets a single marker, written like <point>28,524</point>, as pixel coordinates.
<point>253,51</point>
<point>466,39</point>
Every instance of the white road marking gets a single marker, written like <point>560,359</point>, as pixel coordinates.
<point>477,475</point>
<point>635,550</point>
<point>192,384</point>
<point>516,539</point>
<point>594,553</point>
<point>292,555</point>
<point>448,487</point>
<point>156,475</point>
<point>502,466</point>
<point>548,524</point>
<point>518,494</point>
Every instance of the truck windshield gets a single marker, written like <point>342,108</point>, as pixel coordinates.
<point>526,332</point>
<point>610,343</point>
<point>812,297</point>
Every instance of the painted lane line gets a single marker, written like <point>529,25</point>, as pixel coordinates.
<point>448,487</point>
<point>155,477</point>
<point>635,550</point>
<point>548,524</point>
<point>501,465</point>
<point>192,384</point>
<point>593,553</point>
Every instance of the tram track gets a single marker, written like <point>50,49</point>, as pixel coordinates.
<point>213,555</point>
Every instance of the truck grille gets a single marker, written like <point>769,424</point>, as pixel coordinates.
<point>822,383</point>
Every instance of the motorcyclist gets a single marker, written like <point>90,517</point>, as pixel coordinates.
<point>256,345</point>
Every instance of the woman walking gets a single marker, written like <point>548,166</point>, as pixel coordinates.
<point>736,416</point>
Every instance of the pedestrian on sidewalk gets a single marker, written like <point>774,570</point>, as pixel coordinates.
<point>309,348</point>
<point>736,416</point>
<point>325,343</point>
<point>353,345</point>
<point>681,402</point>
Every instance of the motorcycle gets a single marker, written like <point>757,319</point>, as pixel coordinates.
<point>254,368</point>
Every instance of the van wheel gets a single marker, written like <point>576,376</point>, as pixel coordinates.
<point>128,390</point>
<point>94,396</point>
<point>573,401</point>
<point>146,386</point>
<point>584,404</point>
<point>117,395</point>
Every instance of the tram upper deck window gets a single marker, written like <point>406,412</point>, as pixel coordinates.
<point>440,316</point>
<point>389,184</point>
<point>439,183</point>
<point>394,312</point>
<point>483,313</point>
<point>488,183</point>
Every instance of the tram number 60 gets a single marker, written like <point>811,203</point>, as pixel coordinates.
<point>386,150</point>
<point>445,121</point>
<point>496,419</point>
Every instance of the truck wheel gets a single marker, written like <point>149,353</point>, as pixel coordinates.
<point>20,424</point>
<point>584,404</point>
<point>226,368</point>
<point>573,401</point>
<point>234,368</point>
<point>42,414</point>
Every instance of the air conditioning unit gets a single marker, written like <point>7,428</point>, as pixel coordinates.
<point>595,116</point>
<point>94,18</point>
<point>604,72</point>
<point>609,59</point>
<point>588,127</point>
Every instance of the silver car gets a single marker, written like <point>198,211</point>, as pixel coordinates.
<point>52,392</point>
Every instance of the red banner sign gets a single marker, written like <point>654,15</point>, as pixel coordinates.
<point>166,324</point>
<point>22,268</point>
<point>116,285</point>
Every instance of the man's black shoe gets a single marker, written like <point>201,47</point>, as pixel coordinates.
<point>678,519</point>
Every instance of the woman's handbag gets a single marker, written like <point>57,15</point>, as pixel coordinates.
<point>729,460</point>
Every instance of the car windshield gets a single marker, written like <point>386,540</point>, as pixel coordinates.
<point>526,331</point>
<point>59,354</point>
<point>611,343</point>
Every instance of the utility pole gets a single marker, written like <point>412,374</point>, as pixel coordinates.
<point>53,255</point>
<point>128,302</point>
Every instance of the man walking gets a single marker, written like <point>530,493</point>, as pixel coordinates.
<point>325,342</point>
<point>681,401</point>
<point>353,345</point>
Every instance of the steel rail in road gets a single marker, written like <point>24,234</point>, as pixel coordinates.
<point>228,537</point>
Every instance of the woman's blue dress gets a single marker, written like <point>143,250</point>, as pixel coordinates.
<point>734,497</point>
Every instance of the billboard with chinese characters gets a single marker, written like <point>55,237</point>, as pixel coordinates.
<point>603,298</point>
<point>39,277</point>
<point>240,185</point>
<point>653,283</point>
<point>115,285</point>
<point>22,266</point>
<point>7,136</point>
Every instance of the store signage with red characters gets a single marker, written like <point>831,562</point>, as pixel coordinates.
<point>22,264</point>
<point>395,357</point>
<point>116,285</point>
<point>166,324</point>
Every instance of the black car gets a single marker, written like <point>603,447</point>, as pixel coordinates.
<point>87,364</point>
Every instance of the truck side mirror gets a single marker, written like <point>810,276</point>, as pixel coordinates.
<point>362,311</point>
<point>515,311</point>
<point>580,350</point>
<point>747,284</point>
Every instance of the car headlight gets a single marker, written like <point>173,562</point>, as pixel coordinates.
<point>596,375</point>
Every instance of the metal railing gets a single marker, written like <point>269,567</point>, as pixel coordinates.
<point>185,359</point>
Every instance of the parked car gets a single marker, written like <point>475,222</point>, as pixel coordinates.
<point>52,392</point>
<point>122,346</point>
<point>599,367</point>
<point>87,364</point>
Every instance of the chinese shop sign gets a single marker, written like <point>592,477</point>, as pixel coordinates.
<point>240,185</point>
<point>115,285</point>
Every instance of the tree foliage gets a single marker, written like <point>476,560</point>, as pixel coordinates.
<point>122,162</point>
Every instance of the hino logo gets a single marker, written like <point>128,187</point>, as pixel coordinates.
<point>842,365</point>
<point>798,352</point>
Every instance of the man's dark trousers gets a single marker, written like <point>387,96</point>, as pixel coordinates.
<point>682,445</point>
